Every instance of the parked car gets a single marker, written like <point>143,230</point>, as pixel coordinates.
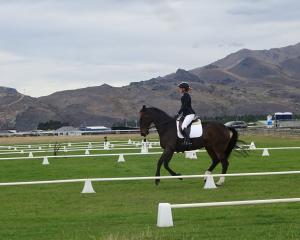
<point>236,124</point>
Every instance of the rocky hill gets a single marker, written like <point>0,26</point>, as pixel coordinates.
<point>245,82</point>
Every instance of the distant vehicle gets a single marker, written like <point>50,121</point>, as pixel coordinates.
<point>236,124</point>
<point>283,116</point>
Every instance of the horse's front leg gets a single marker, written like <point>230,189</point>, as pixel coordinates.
<point>159,163</point>
<point>165,158</point>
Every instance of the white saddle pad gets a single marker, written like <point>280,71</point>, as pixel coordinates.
<point>196,130</point>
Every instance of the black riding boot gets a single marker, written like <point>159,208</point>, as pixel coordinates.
<point>186,141</point>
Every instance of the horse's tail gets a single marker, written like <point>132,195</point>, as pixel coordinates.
<point>232,142</point>
<point>242,149</point>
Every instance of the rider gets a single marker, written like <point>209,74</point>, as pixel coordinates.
<point>186,110</point>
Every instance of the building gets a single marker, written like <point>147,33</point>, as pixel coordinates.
<point>67,131</point>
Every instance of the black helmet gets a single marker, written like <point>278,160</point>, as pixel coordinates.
<point>184,85</point>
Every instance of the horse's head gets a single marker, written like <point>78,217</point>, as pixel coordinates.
<point>145,121</point>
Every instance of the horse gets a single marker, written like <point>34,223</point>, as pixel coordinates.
<point>217,139</point>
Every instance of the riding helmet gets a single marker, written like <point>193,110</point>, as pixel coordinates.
<point>184,85</point>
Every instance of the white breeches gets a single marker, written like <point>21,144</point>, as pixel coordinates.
<point>187,120</point>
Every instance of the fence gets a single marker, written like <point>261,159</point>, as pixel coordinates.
<point>165,217</point>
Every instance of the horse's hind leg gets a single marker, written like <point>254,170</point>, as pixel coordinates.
<point>215,160</point>
<point>225,164</point>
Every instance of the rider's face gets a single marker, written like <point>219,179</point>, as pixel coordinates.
<point>181,90</point>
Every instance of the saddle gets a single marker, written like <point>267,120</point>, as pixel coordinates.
<point>194,129</point>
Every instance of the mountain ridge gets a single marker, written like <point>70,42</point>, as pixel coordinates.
<point>244,82</point>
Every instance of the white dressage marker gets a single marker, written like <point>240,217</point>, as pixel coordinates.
<point>87,152</point>
<point>210,183</point>
<point>106,145</point>
<point>190,154</point>
<point>45,161</point>
<point>265,153</point>
<point>252,146</point>
<point>121,158</point>
<point>88,187</point>
<point>165,218</point>
<point>144,148</point>
<point>129,141</point>
<point>30,155</point>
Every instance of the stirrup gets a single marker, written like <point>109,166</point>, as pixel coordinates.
<point>187,142</point>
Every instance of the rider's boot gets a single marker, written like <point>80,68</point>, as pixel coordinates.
<point>186,141</point>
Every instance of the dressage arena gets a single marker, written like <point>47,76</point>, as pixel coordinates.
<point>96,191</point>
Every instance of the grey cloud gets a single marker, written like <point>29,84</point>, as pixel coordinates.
<point>67,44</point>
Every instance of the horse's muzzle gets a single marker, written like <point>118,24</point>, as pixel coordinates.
<point>144,133</point>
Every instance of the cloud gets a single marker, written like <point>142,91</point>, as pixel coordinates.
<point>65,44</point>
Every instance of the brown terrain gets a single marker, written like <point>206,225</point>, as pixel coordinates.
<point>245,82</point>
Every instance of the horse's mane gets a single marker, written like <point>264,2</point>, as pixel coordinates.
<point>159,111</point>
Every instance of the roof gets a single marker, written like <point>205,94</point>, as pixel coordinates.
<point>66,129</point>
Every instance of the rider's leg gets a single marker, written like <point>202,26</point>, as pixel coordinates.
<point>187,120</point>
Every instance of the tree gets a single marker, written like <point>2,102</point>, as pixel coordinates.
<point>51,125</point>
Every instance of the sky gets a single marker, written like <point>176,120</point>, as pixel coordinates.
<point>54,45</point>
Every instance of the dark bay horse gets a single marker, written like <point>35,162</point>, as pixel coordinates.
<point>217,139</point>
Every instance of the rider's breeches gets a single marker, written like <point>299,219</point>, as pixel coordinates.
<point>187,120</point>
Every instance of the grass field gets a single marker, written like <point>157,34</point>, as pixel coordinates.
<point>128,210</point>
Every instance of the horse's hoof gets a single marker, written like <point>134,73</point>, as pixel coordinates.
<point>157,181</point>
<point>179,174</point>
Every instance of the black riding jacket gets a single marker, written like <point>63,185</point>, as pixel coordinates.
<point>186,105</point>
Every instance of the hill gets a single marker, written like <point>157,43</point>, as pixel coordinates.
<point>245,82</point>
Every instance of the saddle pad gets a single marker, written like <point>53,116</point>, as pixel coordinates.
<point>196,130</point>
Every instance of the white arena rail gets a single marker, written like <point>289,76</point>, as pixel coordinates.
<point>147,178</point>
<point>80,156</point>
<point>165,217</point>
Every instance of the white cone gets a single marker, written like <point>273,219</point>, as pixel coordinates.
<point>9,147</point>
<point>88,187</point>
<point>87,152</point>
<point>15,149</point>
<point>164,215</point>
<point>30,155</point>
<point>121,158</point>
<point>150,145</point>
<point>22,151</point>
<point>69,144</point>
<point>265,153</point>
<point>144,148</point>
<point>45,161</point>
<point>40,148</point>
<point>252,145</point>
<point>191,154</point>
<point>129,141</point>
<point>29,146</point>
<point>210,183</point>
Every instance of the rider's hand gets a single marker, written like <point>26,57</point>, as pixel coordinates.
<point>176,115</point>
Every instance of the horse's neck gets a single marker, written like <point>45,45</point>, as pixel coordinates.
<point>161,121</point>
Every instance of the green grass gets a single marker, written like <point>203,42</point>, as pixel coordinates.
<point>128,210</point>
